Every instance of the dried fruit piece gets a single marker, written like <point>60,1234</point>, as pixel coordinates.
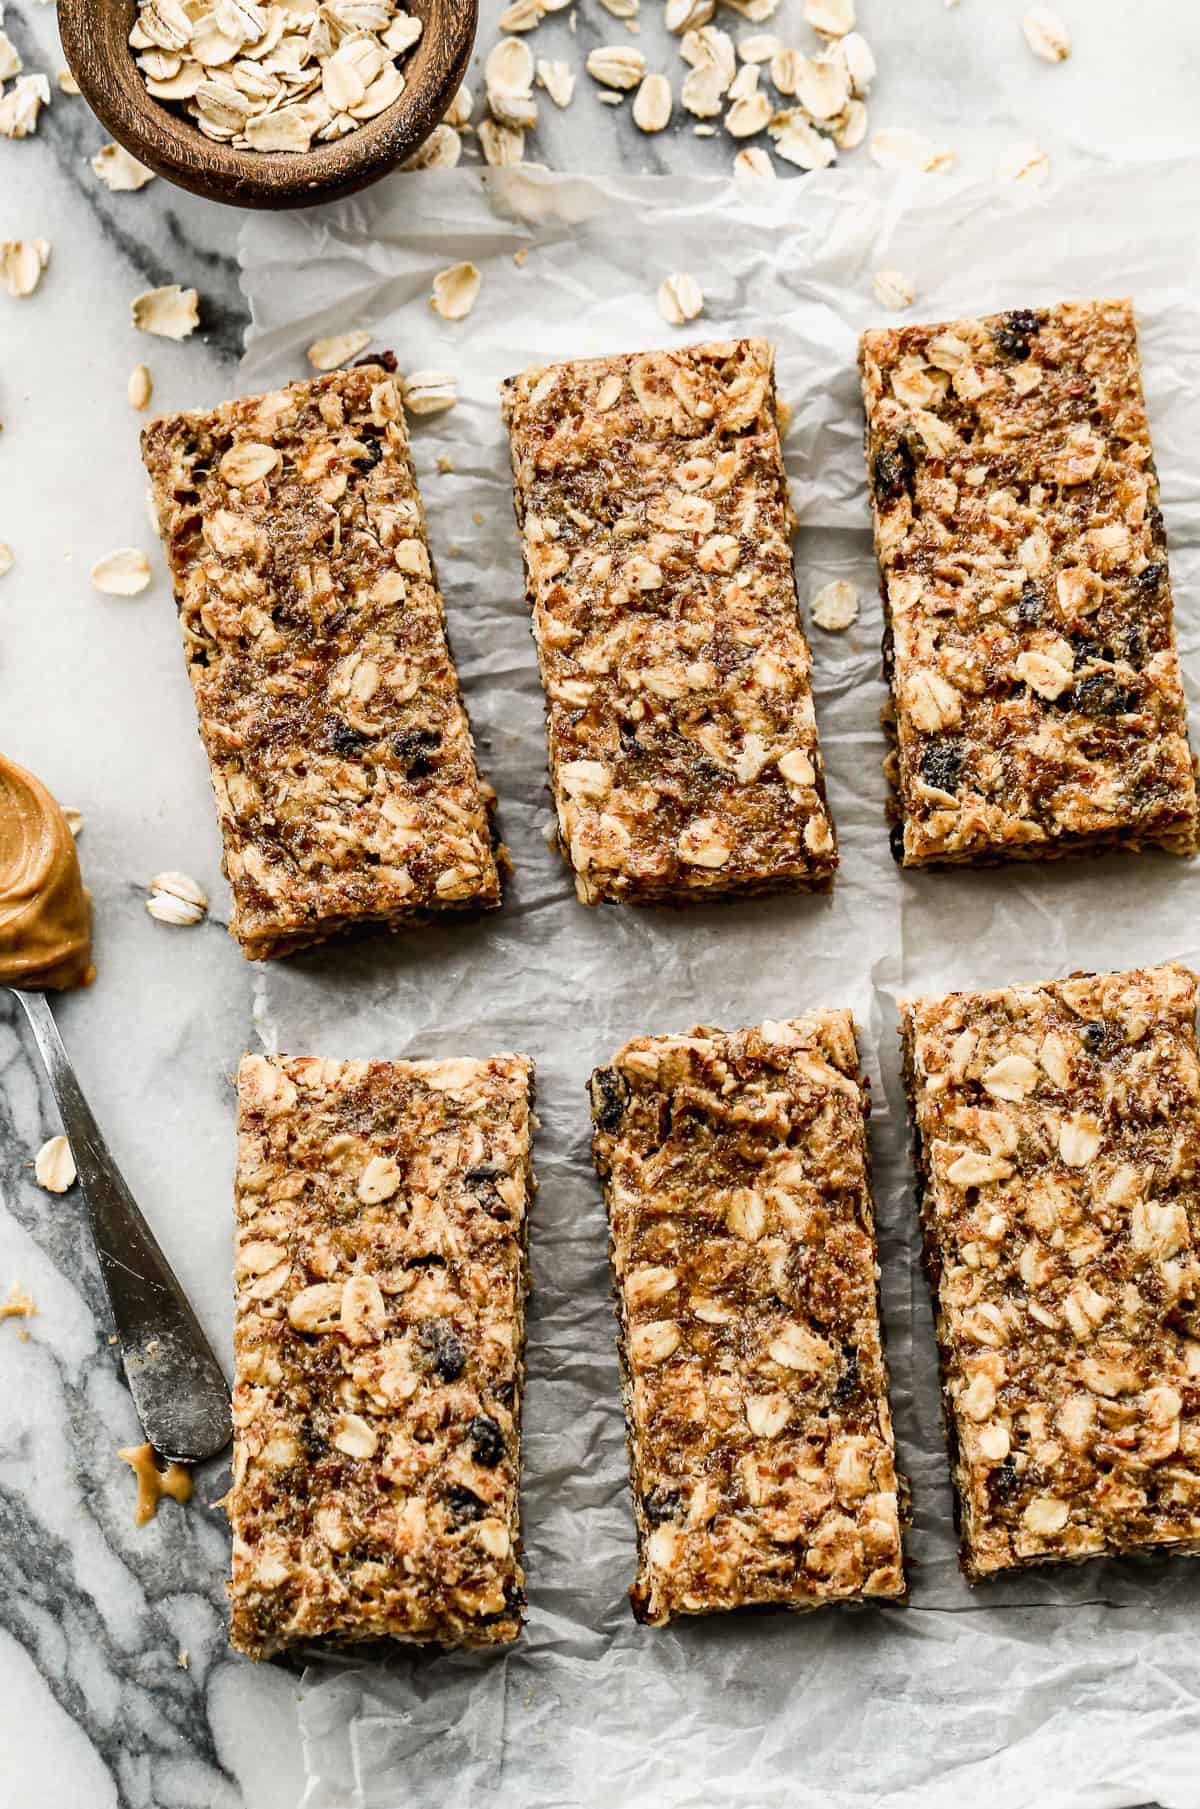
<point>680,298</point>
<point>169,312</point>
<point>455,291</point>
<point>122,573</point>
<point>54,1165</point>
<point>175,898</point>
<point>22,262</point>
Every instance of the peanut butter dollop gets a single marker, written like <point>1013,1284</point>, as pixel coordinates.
<point>45,913</point>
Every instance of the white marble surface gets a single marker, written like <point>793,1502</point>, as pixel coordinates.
<point>94,1708</point>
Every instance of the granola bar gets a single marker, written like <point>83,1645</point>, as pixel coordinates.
<point>379,1344</point>
<point>655,521</point>
<point>762,1460</point>
<point>1057,1132</point>
<point>315,638</point>
<point>1037,703</point>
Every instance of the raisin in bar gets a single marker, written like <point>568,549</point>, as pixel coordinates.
<point>381,1212</point>
<point>656,527</point>
<point>761,1452</point>
<point>316,644</point>
<point>1037,705</point>
<point>1057,1131</point>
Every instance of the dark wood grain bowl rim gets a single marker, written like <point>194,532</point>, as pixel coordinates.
<point>95,41</point>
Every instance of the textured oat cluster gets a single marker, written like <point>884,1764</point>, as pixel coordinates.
<point>743,1250</point>
<point>1058,1134</point>
<point>381,1212</point>
<point>1038,706</point>
<point>315,637</point>
<point>656,525</point>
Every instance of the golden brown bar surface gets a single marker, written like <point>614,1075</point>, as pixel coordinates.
<point>656,528</point>
<point>1037,703</point>
<point>315,638</point>
<point>381,1214</point>
<point>1058,1134</point>
<point>761,1451</point>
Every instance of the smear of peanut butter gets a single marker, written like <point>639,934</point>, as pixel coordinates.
<point>45,913</point>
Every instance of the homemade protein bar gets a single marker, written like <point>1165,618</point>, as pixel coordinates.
<point>1057,1133</point>
<point>1037,706</point>
<point>656,526</point>
<point>743,1250</point>
<point>316,643</point>
<point>381,1210</point>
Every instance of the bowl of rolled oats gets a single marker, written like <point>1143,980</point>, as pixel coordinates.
<point>269,103</point>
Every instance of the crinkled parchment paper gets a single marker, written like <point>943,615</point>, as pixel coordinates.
<point>1071,1689</point>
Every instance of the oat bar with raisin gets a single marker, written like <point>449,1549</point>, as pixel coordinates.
<point>1057,1131</point>
<point>315,637</point>
<point>379,1347</point>
<point>762,1460</point>
<point>1037,705</point>
<point>656,525</point>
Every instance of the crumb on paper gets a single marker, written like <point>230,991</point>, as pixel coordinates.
<point>154,1483</point>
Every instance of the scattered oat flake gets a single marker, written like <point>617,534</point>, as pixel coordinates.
<point>339,348</point>
<point>54,1165</point>
<point>10,57</point>
<point>429,392</point>
<point>832,18</point>
<point>893,289</point>
<point>6,558</point>
<point>752,164</point>
<point>119,171</point>
<point>1046,35</point>
<point>154,1483</point>
<point>19,108</point>
<point>140,387</point>
<point>652,103</point>
<point>184,1659</point>
<point>616,65</point>
<point>835,606</point>
<point>175,898</point>
<point>798,142</point>
<point>455,291</point>
<point>1026,163</point>
<point>558,79</point>
<point>680,298</point>
<point>897,148</point>
<point>622,9</point>
<point>74,819</point>
<point>67,82</point>
<point>681,16</point>
<point>522,15</point>
<point>169,312</point>
<point>22,262</point>
<point>442,150</point>
<point>123,573</point>
<point>19,1304</point>
<point>501,145</point>
<point>458,113</point>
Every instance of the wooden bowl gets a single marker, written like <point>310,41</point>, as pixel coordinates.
<point>95,36</point>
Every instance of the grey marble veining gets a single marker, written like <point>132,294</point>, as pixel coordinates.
<point>95,1708</point>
